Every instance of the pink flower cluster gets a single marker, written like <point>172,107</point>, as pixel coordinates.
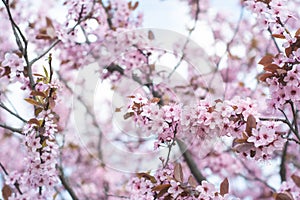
<point>283,90</point>
<point>40,174</point>
<point>269,14</point>
<point>164,184</point>
<point>15,64</point>
<point>163,122</point>
<point>257,139</point>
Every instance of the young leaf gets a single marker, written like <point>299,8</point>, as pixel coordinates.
<point>266,60</point>
<point>297,32</point>
<point>251,123</point>
<point>128,115</point>
<point>283,196</point>
<point>151,35</point>
<point>192,181</point>
<point>280,36</point>
<point>155,100</point>
<point>264,76</point>
<point>271,68</point>
<point>162,189</point>
<point>224,187</point>
<point>296,180</point>
<point>33,102</point>
<point>34,121</point>
<point>46,72</point>
<point>146,176</point>
<point>6,192</point>
<point>38,93</point>
<point>178,174</point>
<point>288,51</point>
<point>243,147</point>
<point>118,109</point>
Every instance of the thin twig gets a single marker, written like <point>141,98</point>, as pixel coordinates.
<point>89,112</point>
<point>16,184</point>
<point>80,19</point>
<point>12,113</point>
<point>287,121</point>
<point>294,111</point>
<point>187,40</point>
<point>170,147</point>
<point>18,33</point>
<point>17,130</point>
<point>282,171</point>
<point>254,177</point>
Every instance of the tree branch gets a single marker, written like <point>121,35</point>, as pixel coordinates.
<point>66,185</point>
<point>190,162</point>
<point>80,19</point>
<point>11,112</point>
<point>16,184</point>
<point>17,130</point>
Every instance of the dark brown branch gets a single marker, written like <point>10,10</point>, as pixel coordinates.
<point>16,130</point>
<point>282,171</point>
<point>190,162</point>
<point>18,33</point>
<point>66,185</point>
<point>272,119</point>
<point>287,121</point>
<point>12,113</point>
<point>294,111</point>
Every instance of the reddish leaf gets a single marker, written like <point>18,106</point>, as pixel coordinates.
<point>237,141</point>
<point>38,93</point>
<point>128,115</point>
<point>266,60</point>
<point>6,192</point>
<point>281,71</point>
<point>296,180</point>
<point>283,196</point>
<point>224,187</point>
<point>251,123</point>
<point>280,36</point>
<point>42,36</point>
<point>178,174</point>
<point>151,35</point>
<point>192,181</point>
<point>146,176</point>
<point>51,102</point>
<point>118,109</point>
<point>155,100</point>
<point>297,32</point>
<point>264,76</point>
<point>243,147</point>
<point>288,51</point>
<point>39,75</point>
<point>161,187</point>
<point>33,102</point>
<point>133,7</point>
<point>271,68</point>
<point>49,22</point>
<point>34,121</point>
